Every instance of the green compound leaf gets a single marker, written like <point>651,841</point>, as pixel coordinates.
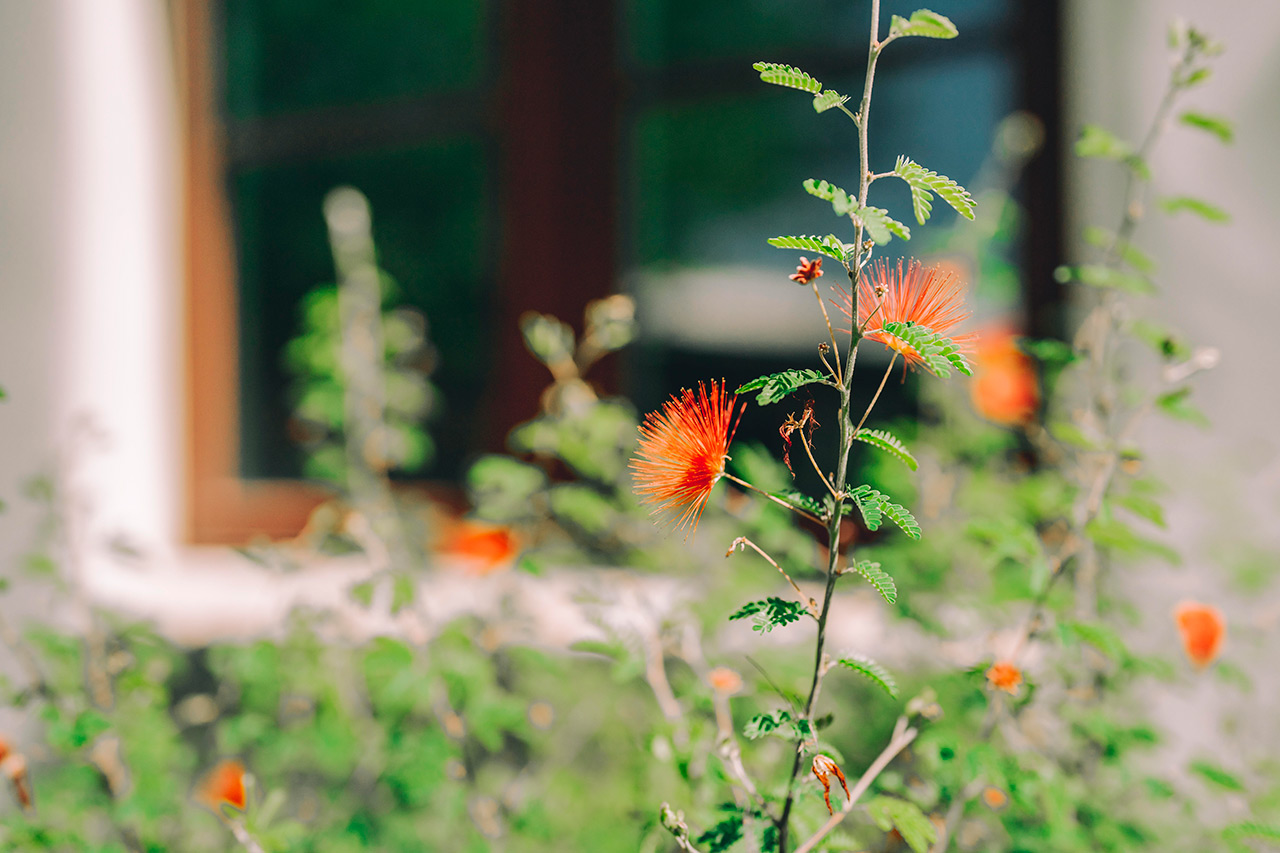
<point>778,385</point>
<point>829,245</point>
<point>872,516</point>
<point>1218,126</point>
<point>1097,275</point>
<point>925,182</point>
<point>880,225</point>
<point>915,828</point>
<point>1251,831</point>
<point>879,579</point>
<point>780,723</point>
<point>1099,142</point>
<point>841,202</point>
<point>1200,207</point>
<point>784,75</point>
<point>800,499</point>
<point>938,352</point>
<point>724,834</point>
<point>1215,775</point>
<point>828,99</point>
<point>1099,636</point>
<point>1176,405</point>
<point>869,669</point>
<point>874,506</point>
<point>889,443</point>
<point>1134,257</point>
<point>923,22</point>
<point>771,613</point>
<point>1102,144</point>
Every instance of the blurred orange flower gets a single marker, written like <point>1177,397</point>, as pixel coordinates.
<point>994,798</point>
<point>682,452</point>
<point>927,297</point>
<point>223,784</point>
<point>1005,388</point>
<point>1203,631</point>
<point>484,548</point>
<point>1003,675</point>
<point>725,680</point>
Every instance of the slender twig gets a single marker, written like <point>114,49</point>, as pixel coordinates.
<point>867,322</point>
<point>835,347</point>
<point>902,737</point>
<point>779,501</point>
<point>872,404</point>
<point>247,841</point>
<point>742,542</point>
<point>822,354</point>
<point>809,452</point>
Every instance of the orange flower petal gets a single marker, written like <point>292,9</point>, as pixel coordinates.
<point>223,784</point>
<point>1203,631</point>
<point>1003,675</point>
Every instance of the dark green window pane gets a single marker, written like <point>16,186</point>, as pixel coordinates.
<point>664,32</point>
<point>711,179</point>
<point>289,55</point>
<point>432,223</point>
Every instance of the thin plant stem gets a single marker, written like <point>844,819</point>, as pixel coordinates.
<point>743,541</point>
<point>833,371</point>
<point>872,404</point>
<point>809,452</point>
<point>846,436</point>
<point>779,501</point>
<point>835,347</point>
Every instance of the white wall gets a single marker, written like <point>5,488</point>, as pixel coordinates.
<point>89,240</point>
<point>1219,286</point>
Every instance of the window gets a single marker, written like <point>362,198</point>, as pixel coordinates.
<point>527,155</point>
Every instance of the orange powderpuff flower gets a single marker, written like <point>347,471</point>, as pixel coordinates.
<point>1003,675</point>
<point>807,271</point>
<point>1203,631</point>
<point>682,452</point>
<point>933,298</point>
<point>1005,388</point>
<point>223,784</point>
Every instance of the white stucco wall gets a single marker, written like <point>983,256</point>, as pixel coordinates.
<point>1219,286</point>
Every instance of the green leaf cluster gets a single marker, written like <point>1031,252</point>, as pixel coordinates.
<point>780,723</point>
<point>793,78</point>
<point>878,578</point>
<point>831,246</point>
<point>778,385</point>
<point>938,352</point>
<point>923,22</point>
<point>925,182</point>
<point>770,613</point>
<point>886,441</point>
<point>872,671</point>
<point>880,226</point>
<point>874,506</point>
<point>915,828</point>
